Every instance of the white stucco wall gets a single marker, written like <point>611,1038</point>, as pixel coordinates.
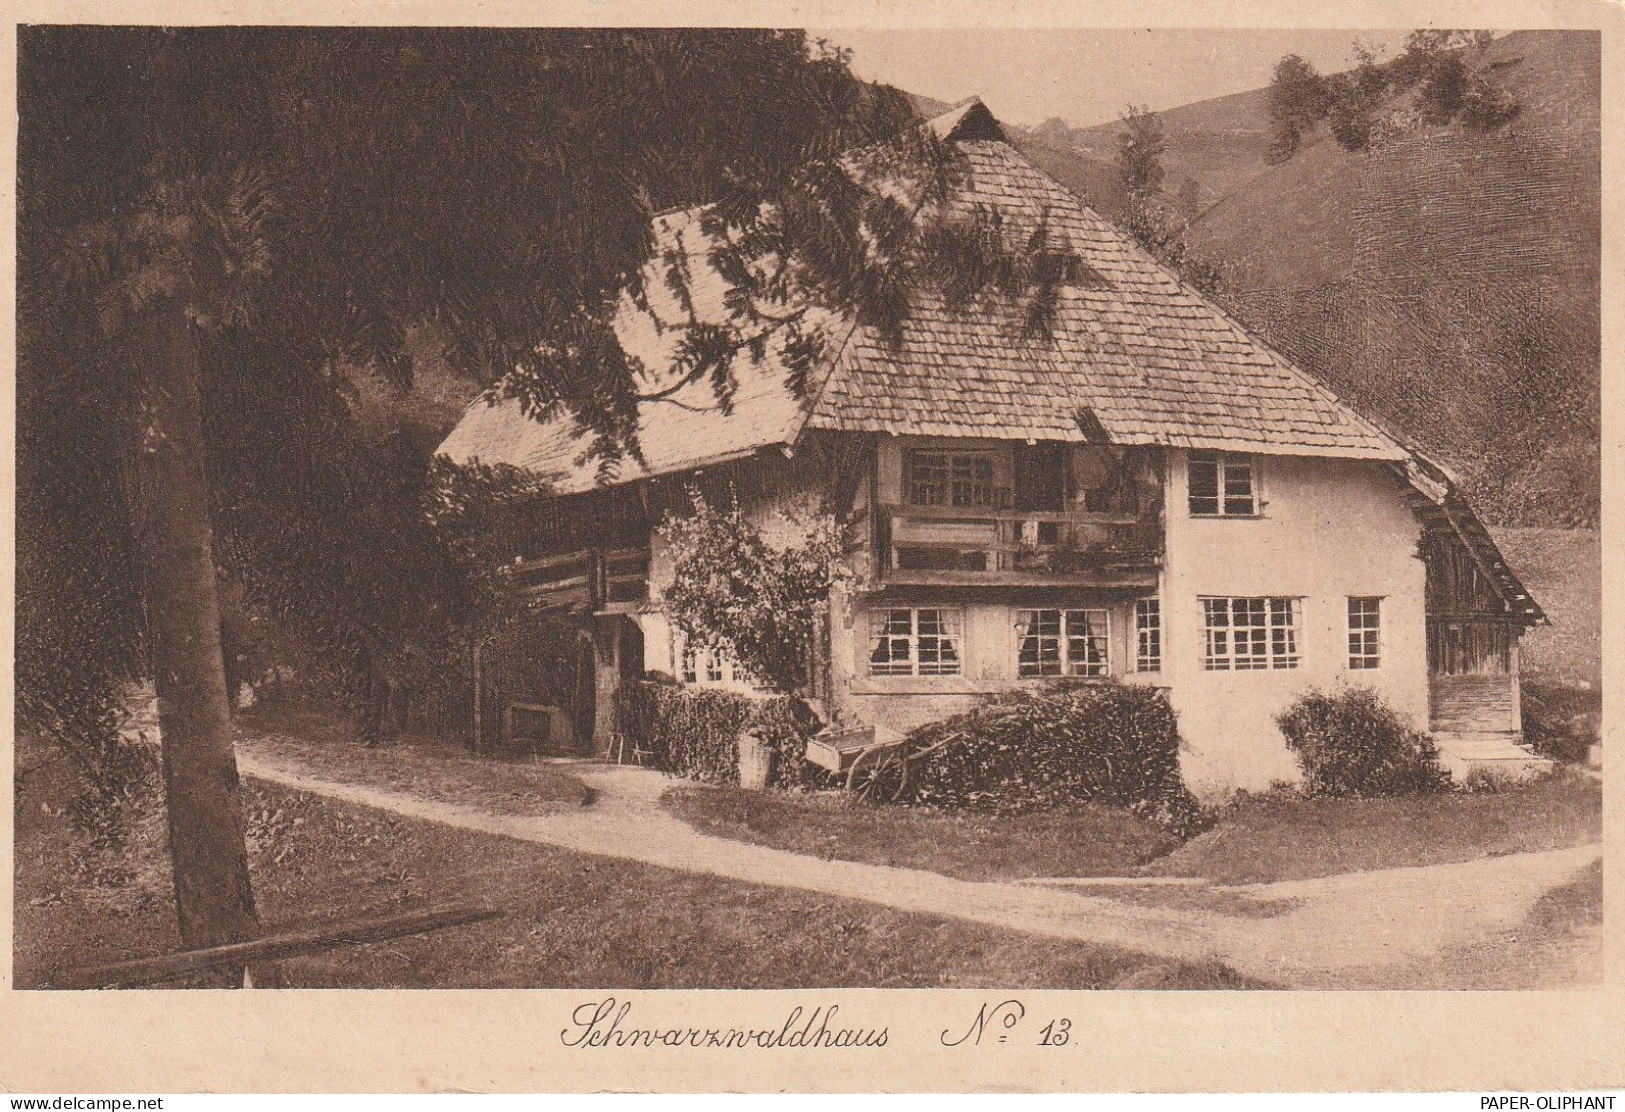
<point>1329,529</point>
<point>988,649</point>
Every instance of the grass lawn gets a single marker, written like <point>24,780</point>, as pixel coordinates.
<point>1286,837</point>
<point>572,920</point>
<point>1085,841</point>
<point>313,738</point>
<point>1259,839</point>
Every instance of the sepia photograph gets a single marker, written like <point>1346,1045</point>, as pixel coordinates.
<point>852,507</point>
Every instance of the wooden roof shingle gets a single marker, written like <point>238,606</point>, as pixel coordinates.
<point>1149,358</point>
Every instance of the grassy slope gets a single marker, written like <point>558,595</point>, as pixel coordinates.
<point>314,739</point>
<point>1267,839</point>
<point>1090,841</point>
<point>1473,260</point>
<point>1217,143</point>
<point>1563,570</point>
<point>572,920</point>
<point>1259,839</point>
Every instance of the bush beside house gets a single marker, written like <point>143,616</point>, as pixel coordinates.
<point>1562,723</point>
<point>1352,744</point>
<point>694,733</point>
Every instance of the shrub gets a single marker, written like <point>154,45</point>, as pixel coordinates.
<point>761,601</point>
<point>1064,743</point>
<point>1561,723</point>
<point>694,733</point>
<point>1352,744</point>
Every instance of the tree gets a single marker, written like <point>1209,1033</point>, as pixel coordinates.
<point>1355,100</point>
<point>200,208</point>
<point>760,601</point>
<point>219,227</point>
<point>1298,100</point>
<point>1161,227</point>
<point>1443,70</point>
<point>1140,146</point>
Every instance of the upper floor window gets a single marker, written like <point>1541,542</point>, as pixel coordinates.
<point>959,479</point>
<point>1365,632</point>
<point>915,642</point>
<point>1250,634</point>
<point>1063,643</point>
<point>1148,635</point>
<point>1223,485</point>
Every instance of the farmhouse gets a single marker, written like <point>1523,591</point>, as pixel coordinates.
<point>1146,494</point>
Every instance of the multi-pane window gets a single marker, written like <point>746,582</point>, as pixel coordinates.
<point>706,668</point>
<point>1148,635</point>
<point>961,479</point>
<point>1063,643</point>
<point>1365,632</point>
<point>1222,485</point>
<point>915,642</point>
<point>1250,634</point>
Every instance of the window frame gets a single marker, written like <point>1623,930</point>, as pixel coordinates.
<point>1365,640</point>
<point>1272,645</point>
<point>706,668</point>
<point>1148,635</point>
<point>1223,464</point>
<point>1065,639</point>
<point>951,633</point>
<point>949,456</point>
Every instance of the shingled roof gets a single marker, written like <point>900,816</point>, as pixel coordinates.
<point>1132,353</point>
<point>680,433</point>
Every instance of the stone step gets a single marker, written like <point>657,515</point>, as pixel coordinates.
<point>1502,755</point>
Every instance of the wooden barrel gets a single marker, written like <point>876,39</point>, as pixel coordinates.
<point>756,760</point>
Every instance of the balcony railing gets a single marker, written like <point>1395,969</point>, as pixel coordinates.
<point>944,545</point>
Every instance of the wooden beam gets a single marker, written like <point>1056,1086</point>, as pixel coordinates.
<point>186,963</point>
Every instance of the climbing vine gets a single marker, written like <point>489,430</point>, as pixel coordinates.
<point>756,598</point>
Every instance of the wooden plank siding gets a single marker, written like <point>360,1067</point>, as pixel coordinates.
<point>1474,704</point>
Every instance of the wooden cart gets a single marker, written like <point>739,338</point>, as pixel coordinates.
<point>876,763</point>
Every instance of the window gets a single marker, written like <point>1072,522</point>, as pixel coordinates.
<point>1147,635</point>
<point>910,642</point>
<point>1063,643</point>
<point>1250,634</point>
<point>1365,632</point>
<point>706,668</point>
<point>1222,485</point>
<point>960,479</point>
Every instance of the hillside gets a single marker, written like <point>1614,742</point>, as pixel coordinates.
<point>1217,144</point>
<point>1449,280</point>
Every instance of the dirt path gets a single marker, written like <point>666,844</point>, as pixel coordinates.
<point>1339,931</point>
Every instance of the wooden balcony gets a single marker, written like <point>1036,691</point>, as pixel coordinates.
<point>945,546</point>
<point>586,580</point>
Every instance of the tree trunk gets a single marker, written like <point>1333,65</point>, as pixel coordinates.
<point>213,901</point>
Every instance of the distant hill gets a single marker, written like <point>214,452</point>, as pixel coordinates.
<point>1449,280</point>
<point>1218,144</point>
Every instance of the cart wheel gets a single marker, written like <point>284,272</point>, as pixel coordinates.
<point>879,775</point>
